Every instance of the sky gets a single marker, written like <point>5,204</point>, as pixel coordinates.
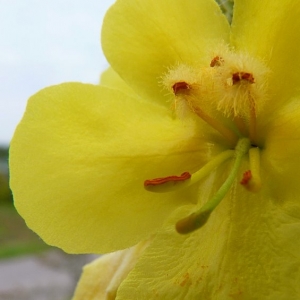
<point>44,43</point>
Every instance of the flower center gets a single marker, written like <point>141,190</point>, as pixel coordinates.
<point>234,84</point>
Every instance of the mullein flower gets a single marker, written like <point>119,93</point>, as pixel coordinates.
<point>193,137</point>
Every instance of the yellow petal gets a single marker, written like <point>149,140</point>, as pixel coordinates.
<point>101,279</point>
<point>97,275</point>
<point>280,158</point>
<point>270,30</point>
<point>79,159</point>
<point>111,79</point>
<point>249,249</point>
<point>142,39</point>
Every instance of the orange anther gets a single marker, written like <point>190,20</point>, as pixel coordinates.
<point>246,177</point>
<point>158,181</point>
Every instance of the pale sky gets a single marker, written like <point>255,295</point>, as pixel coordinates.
<point>45,42</point>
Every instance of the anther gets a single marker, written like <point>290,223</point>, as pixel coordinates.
<point>246,177</point>
<point>217,61</point>
<point>239,76</point>
<point>180,87</point>
<point>165,184</point>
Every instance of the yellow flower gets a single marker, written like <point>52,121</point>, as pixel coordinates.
<point>207,118</point>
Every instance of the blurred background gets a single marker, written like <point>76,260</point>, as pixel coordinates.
<point>41,43</point>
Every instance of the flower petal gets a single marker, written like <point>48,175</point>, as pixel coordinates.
<point>78,161</point>
<point>111,79</point>
<point>274,36</point>
<point>280,158</point>
<point>247,250</point>
<point>142,39</point>
<point>97,275</point>
<point>101,279</point>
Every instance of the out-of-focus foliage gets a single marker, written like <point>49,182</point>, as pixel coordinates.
<point>227,8</point>
<point>15,237</point>
<point>5,193</point>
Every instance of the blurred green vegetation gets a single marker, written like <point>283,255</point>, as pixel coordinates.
<point>15,237</point>
<point>5,193</point>
<point>227,8</point>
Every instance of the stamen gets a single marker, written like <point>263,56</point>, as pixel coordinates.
<point>172,183</point>
<point>243,102</point>
<point>241,89</point>
<point>252,120</point>
<point>254,183</point>
<point>217,125</point>
<point>211,165</point>
<point>199,218</point>
<point>165,184</point>
<point>180,79</point>
<point>191,89</point>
